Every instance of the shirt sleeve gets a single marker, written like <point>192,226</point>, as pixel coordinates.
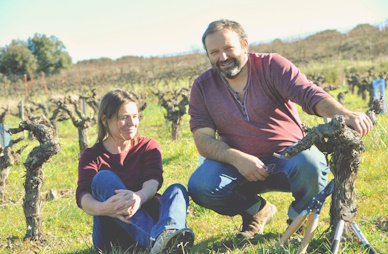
<point>293,85</point>
<point>87,169</point>
<point>199,114</point>
<point>153,167</point>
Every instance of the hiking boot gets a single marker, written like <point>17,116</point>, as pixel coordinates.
<point>174,241</point>
<point>254,225</point>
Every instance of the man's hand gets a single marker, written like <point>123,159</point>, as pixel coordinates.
<point>251,167</point>
<point>360,122</point>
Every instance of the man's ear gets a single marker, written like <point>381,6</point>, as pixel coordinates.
<point>245,45</point>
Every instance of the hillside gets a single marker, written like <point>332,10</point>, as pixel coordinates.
<point>327,53</point>
<point>364,42</point>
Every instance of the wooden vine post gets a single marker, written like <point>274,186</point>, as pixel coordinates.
<point>91,79</point>
<point>5,87</point>
<point>31,84</point>
<point>48,146</point>
<point>44,83</point>
<point>25,85</point>
<point>77,80</point>
<point>345,146</point>
<point>63,82</point>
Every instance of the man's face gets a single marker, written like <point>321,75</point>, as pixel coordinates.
<point>226,53</point>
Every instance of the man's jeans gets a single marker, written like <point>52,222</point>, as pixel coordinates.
<point>143,229</point>
<point>220,187</point>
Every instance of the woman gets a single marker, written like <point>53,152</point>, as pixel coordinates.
<point>118,180</point>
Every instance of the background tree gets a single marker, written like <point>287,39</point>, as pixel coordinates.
<point>17,59</point>
<point>50,53</point>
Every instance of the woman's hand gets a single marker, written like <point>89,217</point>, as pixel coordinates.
<point>112,206</point>
<point>128,204</point>
<point>123,205</point>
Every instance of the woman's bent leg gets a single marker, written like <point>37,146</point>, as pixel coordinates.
<point>103,187</point>
<point>170,233</point>
<point>173,209</point>
<point>106,232</point>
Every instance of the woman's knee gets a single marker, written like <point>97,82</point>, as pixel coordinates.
<point>177,190</point>
<point>104,184</point>
<point>103,177</point>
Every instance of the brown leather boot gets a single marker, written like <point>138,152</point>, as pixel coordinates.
<point>254,225</point>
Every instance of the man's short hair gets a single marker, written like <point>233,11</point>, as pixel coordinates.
<point>221,24</point>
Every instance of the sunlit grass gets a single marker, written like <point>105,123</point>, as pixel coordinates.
<point>68,229</point>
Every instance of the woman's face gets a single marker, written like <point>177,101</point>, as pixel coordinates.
<point>124,127</point>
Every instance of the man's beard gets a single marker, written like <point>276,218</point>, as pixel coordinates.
<point>231,72</point>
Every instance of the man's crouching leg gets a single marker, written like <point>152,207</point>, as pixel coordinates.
<point>307,176</point>
<point>215,185</point>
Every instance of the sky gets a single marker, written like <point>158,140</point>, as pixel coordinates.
<point>115,28</point>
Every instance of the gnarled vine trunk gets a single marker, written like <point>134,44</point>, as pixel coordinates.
<point>345,146</point>
<point>44,132</point>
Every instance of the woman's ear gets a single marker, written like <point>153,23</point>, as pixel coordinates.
<point>103,120</point>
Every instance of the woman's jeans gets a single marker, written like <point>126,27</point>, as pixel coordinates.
<point>143,229</point>
<point>220,187</point>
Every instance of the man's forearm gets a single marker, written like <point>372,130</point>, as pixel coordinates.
<point>215,149</point>
<point>329,107</point>
<point>360,122</point>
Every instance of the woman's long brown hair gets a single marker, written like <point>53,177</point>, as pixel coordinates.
<point>110,106</point>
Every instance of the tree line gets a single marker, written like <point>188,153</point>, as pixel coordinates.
<point>39,53</point>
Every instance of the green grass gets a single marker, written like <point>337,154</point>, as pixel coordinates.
<point>68,229</point>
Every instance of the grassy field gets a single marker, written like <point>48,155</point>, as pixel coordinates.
<point>68,229</point>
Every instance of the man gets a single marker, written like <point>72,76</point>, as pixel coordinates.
<point>248,100</point>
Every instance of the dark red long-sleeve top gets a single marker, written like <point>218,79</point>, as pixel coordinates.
<point>142,163</point>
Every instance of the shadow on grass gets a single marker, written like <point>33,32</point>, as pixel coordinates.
<point>170,159</point>
<point>85,251</point>
<point>258,244</point>
<point>114,250</point>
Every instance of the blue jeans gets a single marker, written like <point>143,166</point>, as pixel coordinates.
<point>220,187</point>
<point>143,229</point>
